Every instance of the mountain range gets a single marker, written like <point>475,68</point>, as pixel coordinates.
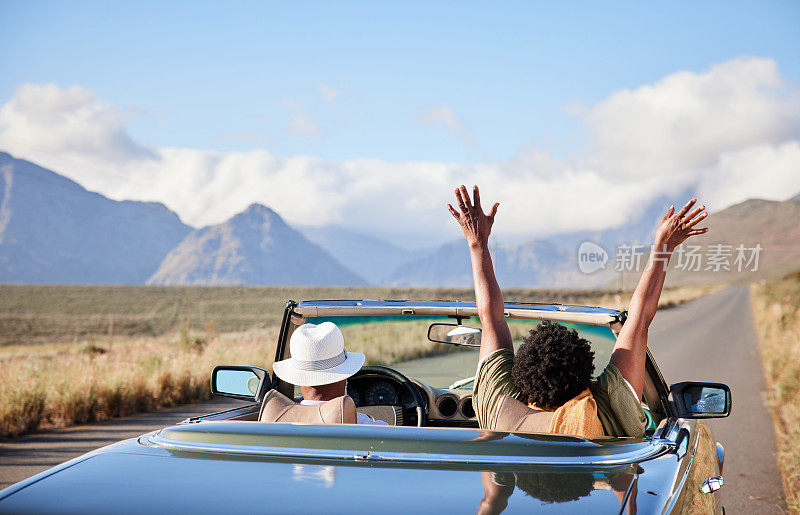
<point>254,247</point>
<point>370,256</point>
<point>52,230</point>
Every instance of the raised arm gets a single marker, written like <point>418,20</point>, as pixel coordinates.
<point>631,347</point>
<point>477,226</point>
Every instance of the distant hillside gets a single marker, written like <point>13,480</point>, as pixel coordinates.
<point>374,258</point>
<point>540,263</point>
<point>445,266</point>
<point>534,263</point>
<point>52,230</point>
<point>638,229</point>
<point>255,247</point>
<point>552,262</point>
<point>772,224</point>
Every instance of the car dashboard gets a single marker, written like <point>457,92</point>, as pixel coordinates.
<point>444,407</point>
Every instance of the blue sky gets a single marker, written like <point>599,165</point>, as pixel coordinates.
<point>574,115</point>
<point>231,75</point>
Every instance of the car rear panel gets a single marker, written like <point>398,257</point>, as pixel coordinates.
<point>131,483</point>
<point>225,467</point>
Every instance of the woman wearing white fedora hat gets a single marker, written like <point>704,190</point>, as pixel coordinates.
<point>320,365</point>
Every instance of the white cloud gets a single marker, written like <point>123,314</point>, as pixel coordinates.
<point>329,93</point>
<point>302,125</point>
<point>69,120</point>
<point>729,133</point>
<point>74,132</point>
<point>763,171</point>
<point>226,138</point>
<point>688,120</point>
<point>441,115</point>
<point>444,116</point>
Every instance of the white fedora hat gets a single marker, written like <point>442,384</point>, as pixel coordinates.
<point>318,357</point>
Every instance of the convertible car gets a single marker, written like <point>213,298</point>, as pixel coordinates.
<point>429,457</point>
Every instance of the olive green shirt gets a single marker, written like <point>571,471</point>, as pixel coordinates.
<point>619,411</point>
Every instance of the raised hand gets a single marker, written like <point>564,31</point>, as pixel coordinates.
<point>630,349</point>
<point>477,225</point>
<point>675,228</point>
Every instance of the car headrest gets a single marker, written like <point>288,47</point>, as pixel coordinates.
<point>515,416</point>
<point>279,408</point>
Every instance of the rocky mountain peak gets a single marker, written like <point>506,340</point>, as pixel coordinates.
<point>53,230</point>
<point>254,247</point>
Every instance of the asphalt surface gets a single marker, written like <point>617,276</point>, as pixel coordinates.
<point>708,339</point>
<point>712,339</point>
<point>28,455</point>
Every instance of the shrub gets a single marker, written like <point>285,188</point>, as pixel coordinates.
<point>776,310</point>
<point>190,342</point>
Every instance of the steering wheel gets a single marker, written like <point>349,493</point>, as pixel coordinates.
<point>419,402</point>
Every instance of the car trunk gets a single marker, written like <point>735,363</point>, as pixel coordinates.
<point>284,468</point>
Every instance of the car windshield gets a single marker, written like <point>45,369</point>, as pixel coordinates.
<point>402,343</point>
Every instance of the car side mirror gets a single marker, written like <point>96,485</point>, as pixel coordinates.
<point>455,334</point>
<point>701,400</point>
<point>238,382</point>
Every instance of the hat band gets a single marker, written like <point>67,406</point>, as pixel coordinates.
<point>322,364</point>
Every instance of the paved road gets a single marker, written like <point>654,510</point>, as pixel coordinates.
<point>28,455</point>
<point>711,339</point>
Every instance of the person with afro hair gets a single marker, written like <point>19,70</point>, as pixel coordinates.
<point>547,387</point>
<point>553,365</point>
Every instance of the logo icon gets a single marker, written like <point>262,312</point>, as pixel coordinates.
<point>591,257</point>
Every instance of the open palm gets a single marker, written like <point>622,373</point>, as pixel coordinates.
<point>476,224</point>
<point>675,228</point>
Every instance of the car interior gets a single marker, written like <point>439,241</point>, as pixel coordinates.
<point>432,391</point>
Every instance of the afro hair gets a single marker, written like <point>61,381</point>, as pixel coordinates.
<point>553,365</point>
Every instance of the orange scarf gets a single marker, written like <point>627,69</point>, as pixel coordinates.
<point>578,417</point>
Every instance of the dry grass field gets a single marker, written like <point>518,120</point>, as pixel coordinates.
<point>75,354</point>
<point>48,314</point>
<point>776,311</point>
